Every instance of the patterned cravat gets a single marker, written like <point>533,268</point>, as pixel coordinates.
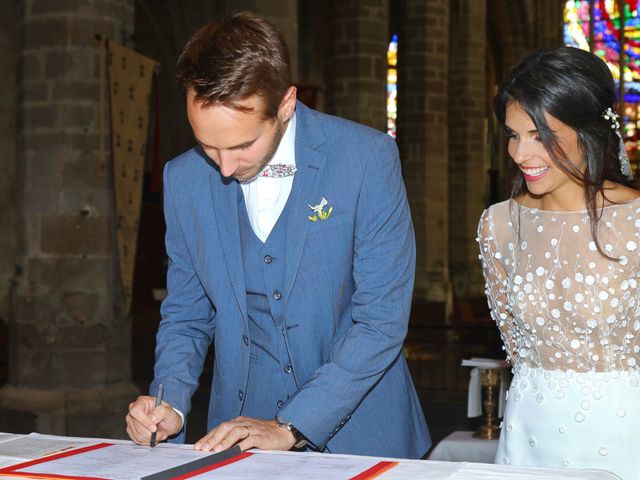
<point>278,170</point>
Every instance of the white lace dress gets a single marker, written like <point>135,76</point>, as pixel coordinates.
<point>570,322</point>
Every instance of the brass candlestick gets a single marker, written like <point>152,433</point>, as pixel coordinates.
<point>490,381</point>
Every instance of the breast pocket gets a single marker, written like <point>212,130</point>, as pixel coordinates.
<point>329,224</point>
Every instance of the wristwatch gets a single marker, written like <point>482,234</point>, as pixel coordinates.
<point>298,438</point>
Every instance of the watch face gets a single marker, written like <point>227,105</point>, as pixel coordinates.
<point>299,439</point>
<point>300,443</point>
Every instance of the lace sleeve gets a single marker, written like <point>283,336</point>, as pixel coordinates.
<point>495,278</point>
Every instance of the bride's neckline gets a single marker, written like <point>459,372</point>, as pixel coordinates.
<point>584,210</point>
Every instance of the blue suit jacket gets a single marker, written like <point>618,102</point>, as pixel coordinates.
<point>348,288</point>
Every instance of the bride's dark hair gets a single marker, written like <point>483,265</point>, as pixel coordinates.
<point>576,87</point>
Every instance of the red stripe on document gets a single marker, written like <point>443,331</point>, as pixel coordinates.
<point>21,466</point>
<point>373,472</point>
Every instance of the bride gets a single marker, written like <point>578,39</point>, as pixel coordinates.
<point>562,269</point>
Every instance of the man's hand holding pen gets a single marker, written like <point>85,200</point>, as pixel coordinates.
<point>145,418</point>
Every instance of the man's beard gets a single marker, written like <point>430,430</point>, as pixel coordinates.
<point>277,138</point>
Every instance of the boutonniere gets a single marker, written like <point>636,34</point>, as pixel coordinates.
<point>319,212</point>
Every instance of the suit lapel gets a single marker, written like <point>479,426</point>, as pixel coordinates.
<point>224,195</point>
<point>310,160</point>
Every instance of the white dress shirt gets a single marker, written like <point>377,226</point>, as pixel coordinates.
<point>265,197</point>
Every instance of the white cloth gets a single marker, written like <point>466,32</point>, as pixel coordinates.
<point>461,446</point>
<point>265,197</point>
<point>570,321</point>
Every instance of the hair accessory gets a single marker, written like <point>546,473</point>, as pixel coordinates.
<point>625,166</point>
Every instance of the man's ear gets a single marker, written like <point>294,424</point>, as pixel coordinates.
<point>288,104</point>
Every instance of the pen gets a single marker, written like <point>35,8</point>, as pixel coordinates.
<point>152,443</point>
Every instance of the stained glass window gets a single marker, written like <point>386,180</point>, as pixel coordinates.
<point>595,25</point>
<point>392,86</point>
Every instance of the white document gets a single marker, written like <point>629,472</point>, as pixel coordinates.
<point>282,466</point>
<point>118,462</point>
<point>30,447</point>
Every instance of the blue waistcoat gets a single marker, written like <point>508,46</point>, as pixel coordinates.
<point>271,374</point>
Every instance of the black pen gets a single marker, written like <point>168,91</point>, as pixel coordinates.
<point>153,442</point>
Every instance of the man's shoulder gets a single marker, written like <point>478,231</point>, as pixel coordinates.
<point>188,171</point>
<point>193,162</point>
<point>338,127</point>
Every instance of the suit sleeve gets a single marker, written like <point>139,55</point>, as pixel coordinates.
<point>383,272</point>
<point>187,325</point>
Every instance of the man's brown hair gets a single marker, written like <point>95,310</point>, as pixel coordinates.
<point>233,58</point>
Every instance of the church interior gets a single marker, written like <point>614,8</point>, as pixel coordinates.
<point>75,346</point>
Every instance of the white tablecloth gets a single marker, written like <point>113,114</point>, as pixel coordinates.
<point>460,446</point>
<point>435,470</point>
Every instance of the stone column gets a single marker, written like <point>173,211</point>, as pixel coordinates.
<point>423,48</point>
<point>70,356</point>
<point>356,61</point>
<point>283,14</point>
<point>468,159</point>
<point>8,45</point>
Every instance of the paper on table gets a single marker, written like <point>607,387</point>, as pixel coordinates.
<point>309,466</point>
<point>117,462</point>
<point>6,462</point>
<point>28,447</point>
<point>5,437</point>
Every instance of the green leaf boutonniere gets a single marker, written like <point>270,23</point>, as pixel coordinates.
<point>319,212</point>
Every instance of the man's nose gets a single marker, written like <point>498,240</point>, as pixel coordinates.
<point>228,165</point>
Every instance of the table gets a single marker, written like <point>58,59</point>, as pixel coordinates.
<point>406,469</point>
<point>460,446</point>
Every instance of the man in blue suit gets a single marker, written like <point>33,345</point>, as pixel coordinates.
<point>291,248</point>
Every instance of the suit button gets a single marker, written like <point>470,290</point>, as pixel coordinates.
<point>279,404</point>
<point>277,295</point>
<point>288,369</point>
<point>268,259</point>
<point>240,394</point>
<point>245,339</point>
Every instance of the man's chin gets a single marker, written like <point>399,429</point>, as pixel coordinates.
<point>245,178</point>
